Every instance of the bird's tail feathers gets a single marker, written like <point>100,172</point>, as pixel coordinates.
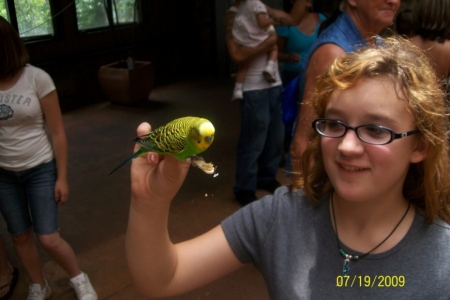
<point>133,156</point>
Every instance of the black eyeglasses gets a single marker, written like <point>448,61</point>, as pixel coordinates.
<point>370,134</point>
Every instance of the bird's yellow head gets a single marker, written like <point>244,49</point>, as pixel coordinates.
<point>205,134</point>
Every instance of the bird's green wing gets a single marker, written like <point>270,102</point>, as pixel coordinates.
<point>171,138</point>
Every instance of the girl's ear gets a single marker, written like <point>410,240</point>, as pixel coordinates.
<point>420,151</point>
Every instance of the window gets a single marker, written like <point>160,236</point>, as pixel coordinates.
<point>3,11</point>
<point>30,18</point>
<point>125,11</point>
<point>92,14</point>
<point>33,18</point>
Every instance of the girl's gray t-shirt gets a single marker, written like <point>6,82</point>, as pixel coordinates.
<point>293,244</point>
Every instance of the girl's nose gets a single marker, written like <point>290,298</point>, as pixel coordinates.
<point>350,143</point>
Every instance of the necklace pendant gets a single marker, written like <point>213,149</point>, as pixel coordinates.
<point>346,267</point>
<point>347,259</point>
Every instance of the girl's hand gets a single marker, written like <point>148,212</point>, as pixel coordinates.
<point>61,192</point>
<point>154,178</point>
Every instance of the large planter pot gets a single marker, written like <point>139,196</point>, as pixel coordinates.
<point>127,86</point>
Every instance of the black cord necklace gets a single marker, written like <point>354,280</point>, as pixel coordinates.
<point>349,257</point>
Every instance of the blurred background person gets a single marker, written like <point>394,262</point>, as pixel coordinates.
<point>295,41</point>
<point>293,44</point>
<point>252,25</point>
<point>33,166</point>
<point>260,141</point>
<point>427,24</point>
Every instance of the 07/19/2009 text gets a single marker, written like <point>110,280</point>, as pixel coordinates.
<point>380,281</point>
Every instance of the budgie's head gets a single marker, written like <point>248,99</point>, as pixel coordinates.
<point>203,134</point>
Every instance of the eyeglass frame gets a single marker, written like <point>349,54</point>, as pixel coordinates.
<point>394,135</point>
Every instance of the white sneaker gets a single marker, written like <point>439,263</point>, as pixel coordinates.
<point>83,287</point>
<point>269,74</point>
<point>35,292</point>
<point>237,95</point>
<point>271,30</point>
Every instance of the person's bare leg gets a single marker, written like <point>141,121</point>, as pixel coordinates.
<point>29,256</point>
<point>61,252</point>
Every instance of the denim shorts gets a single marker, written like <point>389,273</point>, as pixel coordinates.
<point>27,199</point>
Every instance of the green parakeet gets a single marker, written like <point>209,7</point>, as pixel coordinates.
<point>182,138</point>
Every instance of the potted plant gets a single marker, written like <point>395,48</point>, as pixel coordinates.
<point>127,82</point>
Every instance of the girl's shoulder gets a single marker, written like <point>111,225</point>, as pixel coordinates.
<point>32,71</point>
<point>38,79</point>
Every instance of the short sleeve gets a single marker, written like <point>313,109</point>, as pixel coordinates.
<point>43,83</point>
<point>246,230</point>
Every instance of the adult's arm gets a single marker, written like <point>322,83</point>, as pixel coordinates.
<point>294,17</point>
<point>319,63</point>
<point>157,266</point>
<point>264,22</point>
<point>52,112</point>
<point>240,54</point>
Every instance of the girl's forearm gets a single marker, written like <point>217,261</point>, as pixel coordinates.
<point>150,254</point>
<point>59,142</point>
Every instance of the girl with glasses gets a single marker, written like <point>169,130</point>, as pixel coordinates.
<point>371,219</point>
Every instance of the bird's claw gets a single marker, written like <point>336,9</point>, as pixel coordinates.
<point>198,161</point>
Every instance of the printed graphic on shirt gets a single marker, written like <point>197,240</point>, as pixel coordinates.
<point>6,112</point>
<point>15,99</point>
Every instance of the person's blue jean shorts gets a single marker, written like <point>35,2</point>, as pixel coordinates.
<point>27,199</point>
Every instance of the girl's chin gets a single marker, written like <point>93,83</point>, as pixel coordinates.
<point>349,194</point>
